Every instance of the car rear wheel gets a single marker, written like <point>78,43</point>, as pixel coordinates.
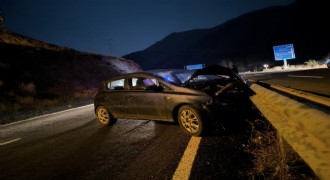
<point>104,117</point>
<point>190,120</point>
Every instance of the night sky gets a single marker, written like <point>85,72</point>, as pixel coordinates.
<point>119,27</point>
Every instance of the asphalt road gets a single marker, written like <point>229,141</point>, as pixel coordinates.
<point>314,80</point>
<point>72,145</point>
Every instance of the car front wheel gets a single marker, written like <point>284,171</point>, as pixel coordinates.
<point>104,117</point>
<point>190,120</point>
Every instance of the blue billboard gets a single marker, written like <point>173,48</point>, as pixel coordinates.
<point>194,66</point>
<point>283,52</point>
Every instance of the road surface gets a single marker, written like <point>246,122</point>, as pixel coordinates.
<point>72,145</point>
<point>314,80</point>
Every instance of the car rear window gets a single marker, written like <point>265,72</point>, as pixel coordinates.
<point>116,85</point>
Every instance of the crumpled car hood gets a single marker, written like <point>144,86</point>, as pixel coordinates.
<point>233,83</point>
<point>217,70</point>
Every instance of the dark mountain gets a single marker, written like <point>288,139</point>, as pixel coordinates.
<point>247,40</point>
<point>35,73</point>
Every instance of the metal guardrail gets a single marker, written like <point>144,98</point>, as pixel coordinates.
<point>304,126</point>
<point>313,98</point>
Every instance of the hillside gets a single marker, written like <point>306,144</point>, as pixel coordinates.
<point>34,74</point>
<point>247,40</point>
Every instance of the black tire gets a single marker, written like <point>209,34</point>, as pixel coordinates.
<point>190,120</point>
<point>104,117</point>
<point>328,64</point>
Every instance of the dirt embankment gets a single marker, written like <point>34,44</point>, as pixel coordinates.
<point>35,76</point>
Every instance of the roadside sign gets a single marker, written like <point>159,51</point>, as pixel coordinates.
<point>283,52</point>
<point>194,66</point>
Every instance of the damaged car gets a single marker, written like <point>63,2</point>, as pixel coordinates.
<point>192,98</point>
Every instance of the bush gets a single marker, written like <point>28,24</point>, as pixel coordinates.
<point>312,63</point>
<point>25,101</point>
<point>27,88</point>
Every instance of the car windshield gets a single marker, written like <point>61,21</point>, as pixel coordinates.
<point>174,76</point>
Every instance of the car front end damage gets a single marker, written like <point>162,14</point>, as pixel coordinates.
<point>229,91</point>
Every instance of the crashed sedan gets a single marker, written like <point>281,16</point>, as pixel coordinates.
<point>192,98</point>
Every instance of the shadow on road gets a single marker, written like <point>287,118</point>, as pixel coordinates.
<point>221,154</point>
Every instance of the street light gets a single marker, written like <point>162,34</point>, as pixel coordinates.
<point>266,66</point>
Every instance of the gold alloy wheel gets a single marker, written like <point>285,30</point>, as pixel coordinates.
<point>103,115</point>
<point>189,120</point>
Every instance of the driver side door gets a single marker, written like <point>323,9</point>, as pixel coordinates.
<point>146,99</point>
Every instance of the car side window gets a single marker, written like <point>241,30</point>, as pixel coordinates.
<point>116,85</point>
<point>143,83</point>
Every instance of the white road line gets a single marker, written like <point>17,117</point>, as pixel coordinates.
<point>183,170</point>
<point>46,115</point>
<point>11,141</point>
<point>315,77</point>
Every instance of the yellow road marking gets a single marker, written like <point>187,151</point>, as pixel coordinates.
<point>183,170</point>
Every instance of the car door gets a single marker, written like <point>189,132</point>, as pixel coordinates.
<point>116,100</point>
<point>146,99</point>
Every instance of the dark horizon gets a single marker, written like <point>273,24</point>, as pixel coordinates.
<point>118,28</point>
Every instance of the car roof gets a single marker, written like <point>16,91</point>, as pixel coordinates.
<point>143,73</point>
<point>147,72</point>
<point>129,74</point>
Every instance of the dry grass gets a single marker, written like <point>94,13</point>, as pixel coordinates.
<point>273,158</point>
<point>25,106</point>
<point>310,64</point>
